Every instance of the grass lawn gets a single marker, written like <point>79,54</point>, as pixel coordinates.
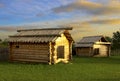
<point>81,69</point>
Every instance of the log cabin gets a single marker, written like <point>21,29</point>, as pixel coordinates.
<point>46,45</point>
<point>96,46</point>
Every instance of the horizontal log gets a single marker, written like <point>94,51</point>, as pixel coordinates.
<point>31,55</point>
<point>29,60</point>
<point>25,47</point>
<point>32,58</point>
<point>31,44</point>
<point>34,54</point>
<point>21,54</point>
<point>28,51</point>
<point>34,49</point>
<point>25,43</point>
<point>30,48</point>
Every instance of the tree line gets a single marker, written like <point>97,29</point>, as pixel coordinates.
<point>3,43</point>
<point>115,40</point>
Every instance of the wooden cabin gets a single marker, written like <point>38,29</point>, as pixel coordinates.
<point>48,45</point>
<point>96,46</point>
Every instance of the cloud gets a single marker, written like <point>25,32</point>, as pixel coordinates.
<point>40,14</point>
<point>79,5</point>
<point>92,8</point>
<point>9,28</point>
<point>1,5</point>
<point>26,8</point>
<point>15,28</point>
<point>34,7</point>
<point>103,21</point>
<point>80,30</point>
<point>112,8</point>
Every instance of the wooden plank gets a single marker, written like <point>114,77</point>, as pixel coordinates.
<point>29,60</point>
<point>32,53</point>
<point>32,58</point>
<point>29,46</point>
<point>41,56</point>
<point>28,51</point>
<point>39,48</point>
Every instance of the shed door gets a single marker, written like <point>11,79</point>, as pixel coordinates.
<point>60,52</point>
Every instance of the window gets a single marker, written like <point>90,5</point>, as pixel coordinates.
<point>96,51</point>
<point>60,52</point>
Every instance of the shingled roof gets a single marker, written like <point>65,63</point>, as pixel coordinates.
<point>40,35</point>
<point>90,40</point>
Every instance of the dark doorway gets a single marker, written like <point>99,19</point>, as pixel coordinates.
<point>96,51</point>
<point>60,52</point>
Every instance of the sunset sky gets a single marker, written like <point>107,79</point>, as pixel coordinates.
<point>87,17</point>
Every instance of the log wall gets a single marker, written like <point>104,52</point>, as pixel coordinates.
<point>35,52</point>
<point>84,51</point>
<point>104,50</point>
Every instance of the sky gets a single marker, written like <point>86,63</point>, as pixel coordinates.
<point>87,17</point>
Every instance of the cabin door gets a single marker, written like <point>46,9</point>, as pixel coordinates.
<point>60,52</point>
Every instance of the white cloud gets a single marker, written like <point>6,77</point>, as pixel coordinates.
<point>93,8</point>
<point>78,5</point>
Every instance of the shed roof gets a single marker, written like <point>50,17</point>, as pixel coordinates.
<point>40,35</point>
<point>90,40</point>
<point>84,45</point>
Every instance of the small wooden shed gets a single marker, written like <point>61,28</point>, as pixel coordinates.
<point>48,45</point>
<point>93,46</point>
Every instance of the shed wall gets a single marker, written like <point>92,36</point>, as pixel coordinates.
<point>62,41</point>
<point>103,50</point>
<point>84,51</point>
<point>34,52</point>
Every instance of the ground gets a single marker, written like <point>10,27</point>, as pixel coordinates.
<point>80,69</point>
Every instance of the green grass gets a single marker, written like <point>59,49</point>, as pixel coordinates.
<point>80,69</point>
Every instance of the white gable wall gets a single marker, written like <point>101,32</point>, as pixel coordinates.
<point>62,41</point>
<point>103,49</point>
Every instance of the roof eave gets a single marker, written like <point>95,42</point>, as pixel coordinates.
<point>60,28</point>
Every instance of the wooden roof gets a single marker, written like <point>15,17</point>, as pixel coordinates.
<point>40,35</point>
<point>90,40</point>
<point>84,45</point>
<point>60,28</point>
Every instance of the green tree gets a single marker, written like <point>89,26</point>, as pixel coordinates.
<point>4,43</point>
<point>109,39</point>
<point>0,40</point>
<point>116,40</point>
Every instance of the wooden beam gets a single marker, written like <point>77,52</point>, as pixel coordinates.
<point>59,28</point>
<point>50,52</point>
<point>36,35</point>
